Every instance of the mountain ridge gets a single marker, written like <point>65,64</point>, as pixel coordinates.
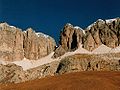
<point>27,55</point>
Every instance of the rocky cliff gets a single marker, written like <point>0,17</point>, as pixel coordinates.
<point>71,37</point>
<point>16,44</point>
<point>105,32</point>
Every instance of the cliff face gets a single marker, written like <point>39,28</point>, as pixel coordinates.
<point>71,37</point>
<point>16,45</point>
<point>37,45</point>
<point>11,43</point>
<point>105,32</point>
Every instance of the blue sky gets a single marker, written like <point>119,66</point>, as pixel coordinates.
<point>49,16</point>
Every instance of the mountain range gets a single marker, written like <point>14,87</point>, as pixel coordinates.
<point>29,55</point>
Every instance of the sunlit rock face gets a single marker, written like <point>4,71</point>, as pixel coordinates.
<point>105,32</point>
<point>37,45</point>
<point>16,44</point>
<point>71,37</point>
<point>11,43</point>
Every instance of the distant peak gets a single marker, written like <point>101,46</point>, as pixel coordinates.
<point>42,34</point>
<point>111,20</point>
<point>69,24</point>
<point>4,23</point>
<point>29,29</point>
<point>107,21</point>
<point>77,27</point>
<point>100,20</point>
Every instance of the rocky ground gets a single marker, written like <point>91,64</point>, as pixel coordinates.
<point>12,73</point>
<point>72,81</point>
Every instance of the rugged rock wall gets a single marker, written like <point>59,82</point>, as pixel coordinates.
<point>37,45</point>
<point>71,37</point>
<point>12,73</point>
<point>11,43</point>
<point>16,45</point>
<point>78,63</point>
<point>105,32</point>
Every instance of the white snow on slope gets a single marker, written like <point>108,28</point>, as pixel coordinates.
<point>27,64</point>
<point>115,50</point>
<point>82,51</point>
<point>3,62</point>
<point>100,20</point>
<point>77,27</point>
<point>42,34</point>
<point>91,25</point>
<point>102,49</point>
<point>69,24</point>
<point>110,20</point>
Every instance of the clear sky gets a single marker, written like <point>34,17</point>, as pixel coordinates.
<point>49,16</point>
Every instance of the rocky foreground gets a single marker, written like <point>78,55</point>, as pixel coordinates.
<point>27,55</point>
<point>12,73</point>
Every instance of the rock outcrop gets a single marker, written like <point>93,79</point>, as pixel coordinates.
<point>16,44</point>
<point>11,43</point>
<point>12,73</point>
<point>37,45</point>
<point>70,39</point>
<point>102,32</point>
<point>78,63</point>
<point>105,32</point>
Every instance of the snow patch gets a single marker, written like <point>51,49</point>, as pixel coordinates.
<point>69,24</point>
<point>110,20</point>
<point>12,27</point>
<point>42,34</point>
<point>102,49</point>
<point>3,62</point>
<point>27,64</point>
<point>77,27</point>
<point>115,50</point>
<point>89,27</point>
<point>100,20</point>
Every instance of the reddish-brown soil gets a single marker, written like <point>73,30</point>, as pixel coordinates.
<point>71,81</point>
